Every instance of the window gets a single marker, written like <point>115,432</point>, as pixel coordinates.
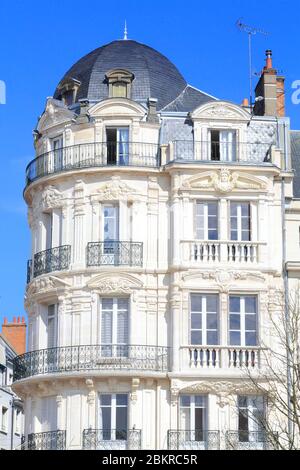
<point>117,145</point>
<point>243,320</point>
<point>204,319</point>
<point>4,419</point>
<point>18,418</point>
<point>48,217</point>
<point>52,326</point>
<point>114,326</point>
<point>67,90</point>
<point>110,223</point>
<point>223,145</point>
<point>207,221</point>
<point>113,416</point>
<point>240,221</point>
<point>250,418</point>
<point>57,152</point>
<point>119,83</point>
<point>193,416</point>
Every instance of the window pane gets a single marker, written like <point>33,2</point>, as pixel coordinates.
<point>233,209</point>
<point>212,208</point>
<point>245,223</point>
<point>199,422</point>
<point>245,236</point>
<point>212,338</point>
<point>212,321</point>
<point>123,304</point>
<point>106,420</point>
<point>122,399</point>
<point>200,208</point>
<point>242,401</point>
<point>235,338</point>
<point>196,303</point>
<point>105,400</point>
<point>107,304</point>
<point>185,400</point>
<point>235,322</point>
<point>250,338</point>
<point>196,321</point>
<point>233,223</point>
<point>245,207</point>
<point>250,322</point>
<point>200,400</point>
<point>211,303</point>
<point>121,422</point>
<point>213,235</point>
<point>234,235</point>
<point>250,304</point>
<point>243,421</point>
<point>196,337</point>
<point>234,303</point>
<point>212,222</point>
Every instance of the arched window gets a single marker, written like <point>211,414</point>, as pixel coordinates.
<point>119,83</point>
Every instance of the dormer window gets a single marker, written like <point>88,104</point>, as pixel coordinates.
<point>68,90</point>
<point>119,83</point>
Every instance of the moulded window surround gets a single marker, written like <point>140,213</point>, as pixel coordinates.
<point>204,319</point>
<point>4,419</point>
<point>119,83</point>
<point>113,416</point>
<point>193,416</point>
<point>251,413</point>
<point>68,89</point>
<point>243,320</point>
<point>223,144</point>
<point>207,220</point>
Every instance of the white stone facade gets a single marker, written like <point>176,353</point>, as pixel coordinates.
<point>156,209</point>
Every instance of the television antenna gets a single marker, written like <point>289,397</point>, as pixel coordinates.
<point>251,31</point>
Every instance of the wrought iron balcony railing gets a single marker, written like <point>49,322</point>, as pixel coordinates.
<point>251,440</point>
<point>54,259</point>
<point>97,357</point>
<point>111,439</point>
<point>115,253</point>
<point>51,440</point>
<point>220,151</point>
<point>193,440</point>
<point>95,154</point>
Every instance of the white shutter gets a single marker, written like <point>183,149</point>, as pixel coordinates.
<point>51,326</point>
<point>122,328</point>
<point>106,328</point>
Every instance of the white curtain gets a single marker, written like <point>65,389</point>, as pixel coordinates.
<point>227,146</point>
<point>123,146</point>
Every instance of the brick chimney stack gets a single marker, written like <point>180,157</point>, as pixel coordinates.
<point>269,91</point>
<point>15,333</point>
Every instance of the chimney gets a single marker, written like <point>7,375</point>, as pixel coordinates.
<point>269,91</point>
<point>15,334</point>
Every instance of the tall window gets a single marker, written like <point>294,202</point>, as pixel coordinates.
<point>207,220</point>
<point>113,416</point>
<point>117,139</point>
<point>193,416</point>
<point>250,418</point>
<point>4,419</point>
<point>111,233</point>
<point>204,319</point>
<point>223,145</point>
<point>240,221</point>
<point>48,217</point>
<point>57,152</point>
<point>243,320</point>
<point>114,326</point>
<point>52,326</point>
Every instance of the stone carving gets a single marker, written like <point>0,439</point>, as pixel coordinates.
<point>114,284</point>
<point>51,198</point>
<point>134,387</point>
<point>115,190</point>
<point>221,388</point>
<point>220,111</point>
<point>224,181</point>
<point>55,113</point>
<point>44,285</point>
<point>225,278</point>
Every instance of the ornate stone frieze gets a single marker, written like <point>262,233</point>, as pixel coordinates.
<point>224,278</point>
<point>114,284</point>
<point>115,190</point>
<point>45,285</point>
<point>223,181</point>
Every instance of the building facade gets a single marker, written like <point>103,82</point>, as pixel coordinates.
<point>12,343</point>
<point>156,213</point>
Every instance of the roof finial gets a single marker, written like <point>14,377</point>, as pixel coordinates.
<point>125,32</point>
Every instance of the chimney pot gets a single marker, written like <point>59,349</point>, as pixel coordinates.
<point>18,321</point>
<point>269,62</point>
<point>23,319</point>
<point>5,321</point>
<point>14,319</point>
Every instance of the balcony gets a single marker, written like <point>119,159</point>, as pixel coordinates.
<point>114,253</point>
<point>193,440</point>
<point>219,151</point>
<point>53,259</point>
<point>248,440</point>
<point>52,440</point>
<point>221,357</point>
<point>198,252</point>
<point>111,439</point>
<point>95,358</point>
<point>93,155</point>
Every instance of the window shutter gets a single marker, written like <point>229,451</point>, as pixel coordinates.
<point>122,328</point>
<point>106,328</point>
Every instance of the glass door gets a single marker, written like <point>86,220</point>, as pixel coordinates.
<point>111,245</point>
<point>57,150</point>
<point>113,421</point>
<point>193,421</point>
<point>114,327</point>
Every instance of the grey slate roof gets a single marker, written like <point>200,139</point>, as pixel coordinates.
<point>295,157</point>
<point>188,100</point>
<point>155,75</point>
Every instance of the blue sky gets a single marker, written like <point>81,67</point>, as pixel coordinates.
<point>41,40</point>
